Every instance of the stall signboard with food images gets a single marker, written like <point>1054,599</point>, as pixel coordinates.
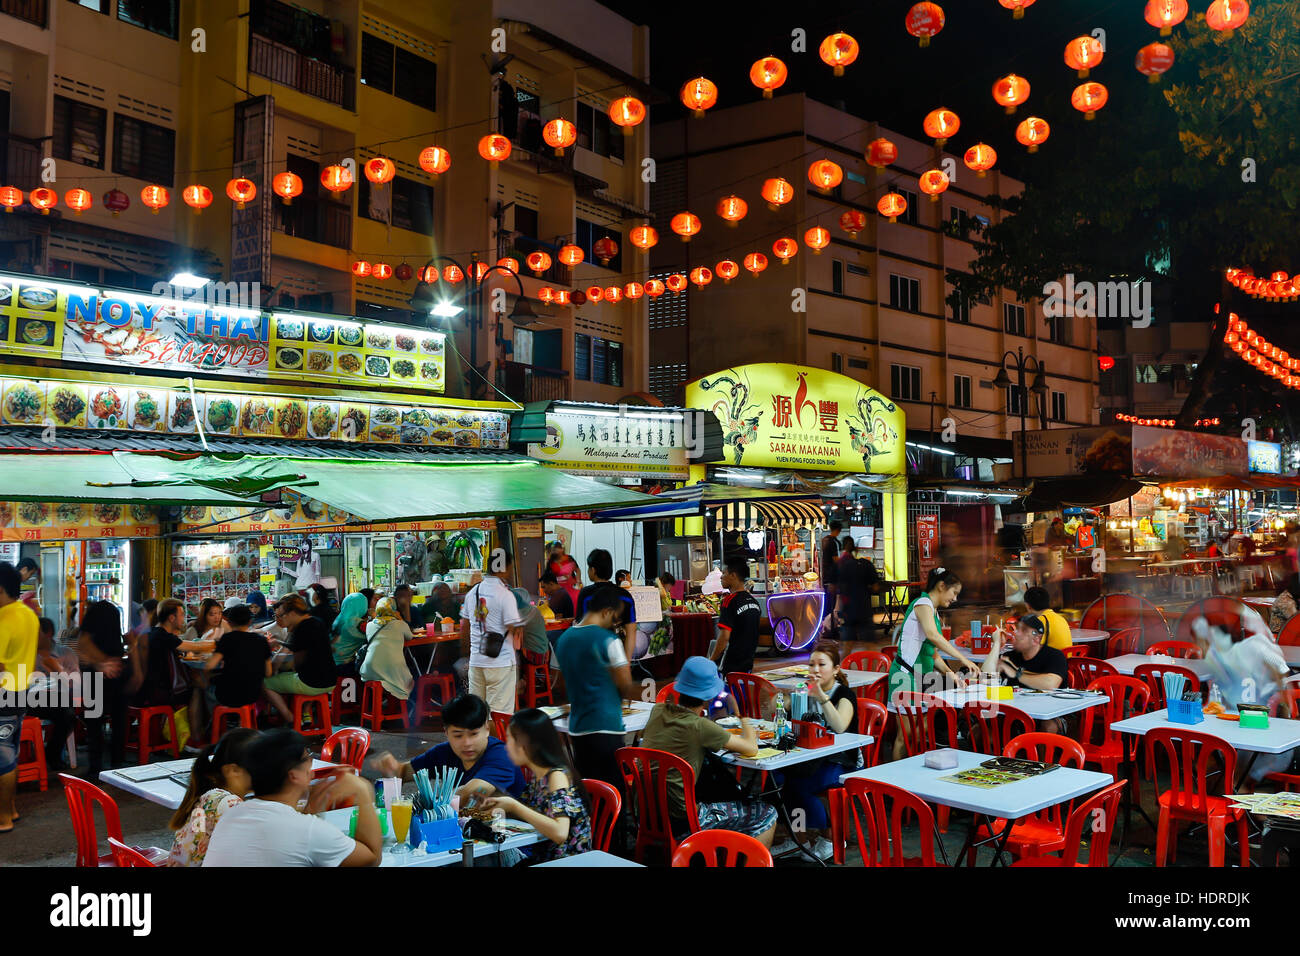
<point>792,416</point>
<point>1172,453</point>
<point>299,513</point>
<point>214,569</point>
<point>81,323</point>
<point>641,443</point>
<point>99,406</point>
<point>55,521</point>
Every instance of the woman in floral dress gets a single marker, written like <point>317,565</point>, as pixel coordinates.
<point>218,781</point>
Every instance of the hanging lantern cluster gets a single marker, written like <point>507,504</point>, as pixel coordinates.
<point>1258,351</point>
<point>1149,422</point>
<point>1277,287</point>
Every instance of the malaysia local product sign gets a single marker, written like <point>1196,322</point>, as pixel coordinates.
<point>55,521</point>
<point>1181,454</point>
<point>637,444</point>
<point>78,323</point>
<point>792,416</point>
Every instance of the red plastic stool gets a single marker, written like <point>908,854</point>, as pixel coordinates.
<point>321,726</point>
<point>535,666</point>
<point>144,720</point>
<point>33,768</point>
<point>373,698</point>
<point>340,707</point>
<point>245,716</point>
<point>425,705</point>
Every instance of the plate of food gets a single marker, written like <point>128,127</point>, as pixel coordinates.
<point>147,410</point>
<point>143,514</point>
<point>292,419</point>
<point>322,419</point>
<point>431,371</point>
<point>433,344</point>
<point>312,508</point>
<point>384,433</point>
<point>36,332</point>
<point>350,363</point>
<point>37,298</point>
<point>442,436</point>
<point>467,439</point>
<point>289,358</point>
<point>413,435</point>
<point>378,339</point>
<point>404,342</point>
<point>106,514</point>
<point>349,334</point>
<point>194,514</point>
<point>34,514</point>
<point>223,414</point>
<point>24,402</point>
<point>67,513</point>
<point>322,332</point>
<point>182,416</point>
<point>107,409</point>
<point>290,329</point>
<point>353,422</point>
<point>67,404</point>
<point>318,361</point>
<point>257,417</point>
<point>384,415</point>
<point>420,417</point>
<point>377,366</point>
<point>6,514</point>
<point>227,514</point>
<point>403,368</point>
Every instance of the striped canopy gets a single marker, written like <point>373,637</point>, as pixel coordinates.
<point>742,515</point>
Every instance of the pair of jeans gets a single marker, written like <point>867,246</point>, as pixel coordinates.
<point>805,791</point>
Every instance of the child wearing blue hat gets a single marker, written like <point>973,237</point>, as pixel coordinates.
<point>682,729</point>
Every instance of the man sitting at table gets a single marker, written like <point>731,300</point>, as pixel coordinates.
<point>1058,628</point>
<point>557,596</point>
<point>269,830</point>
<point>482,760</point>
<point>1031,662</point>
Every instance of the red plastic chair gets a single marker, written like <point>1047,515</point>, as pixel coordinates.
<point>320,726</point>
<point>1153,674</point>
<point>1184,650</point>
<point>536,667</point>
<point>667,695</point>
<point>1075,650</point>
<point>1124,642</point>
<point>889,650</point>
<point>501,724</point>
<point>1044,831</point>
<point>1222,612</point>
<point>866,661</point>
<point>872,717</point>
<point>245,716</point>
<point>606,803</point>
<point>992,724</point>
<point>375,709</point>
<point>345,699</point>
<point>750,691</point>
<point>1128,697</point>
<point>878,811</point>
<point>646,773</point>
<point>83,797</point>
<point>721,848</point>
<point>1189,753</point>
<point>1289,636</point>
<point>31,742</point>
<point>348,745</point>
<point>1115,612</point>
<point>128,856</point>
<point>926,714</point>
<point>425,705</point>
<point>148,723</point>
<point>877,691</point>
<point>1097,814</point>
<point>1084,670</point>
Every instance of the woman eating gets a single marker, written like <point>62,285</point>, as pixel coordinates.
<point>207,626</point>
<point>920,639</point>
<point>385,659</point>
<point>347,634</point>
<point>218,781</point>
<point>555,801</point>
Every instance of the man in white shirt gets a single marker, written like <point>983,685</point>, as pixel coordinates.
<point>490,609</point>
<point>268,830</point>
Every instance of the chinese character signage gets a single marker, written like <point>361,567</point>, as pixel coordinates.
<point>635,442</point>
<point>791,416</point>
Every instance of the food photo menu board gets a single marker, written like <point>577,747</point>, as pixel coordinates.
<point>55,521</point>
<point>323,349</point>
<point>214,569</point>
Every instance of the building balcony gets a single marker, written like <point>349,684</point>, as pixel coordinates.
<point>284,65</point>
<point>316,220</point>
<point>20,161</point>
<point>33,11</point>
<point>532,383</point>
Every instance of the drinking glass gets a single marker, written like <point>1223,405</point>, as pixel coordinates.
<point>400,814</point>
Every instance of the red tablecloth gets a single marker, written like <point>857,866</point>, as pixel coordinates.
<point>691,636</point>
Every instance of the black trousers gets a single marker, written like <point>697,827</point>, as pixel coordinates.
<point>113,705</point>
<point>593,757</point>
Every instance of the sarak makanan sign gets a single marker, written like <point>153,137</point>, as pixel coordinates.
<point>626,442</point>
<point>792,416</point>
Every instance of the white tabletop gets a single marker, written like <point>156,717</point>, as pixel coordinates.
<point>842,744</point>
<point>1126,663</point>
<point>341,818</point>
<point>1280,736</point>
<point>1184,562</point>
<point>592,858</point>
<point>633,723</point>
<point>161,788</point>
<point>1040,706</point>
<point>1010,801</point>
<point>786,680</point>
<point>1087,635</point>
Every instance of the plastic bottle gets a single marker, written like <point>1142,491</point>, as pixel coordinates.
<point>1215,696</point>
<point>778,718</point>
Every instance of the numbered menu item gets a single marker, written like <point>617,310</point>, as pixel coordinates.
<point>327,349</point>
<point>29,316</point>
<point>214,569</point>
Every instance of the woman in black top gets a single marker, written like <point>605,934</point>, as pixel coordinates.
<point>322,606</point>
<point>831,702</point>
<point>101,649</point>
<point>313,657</point>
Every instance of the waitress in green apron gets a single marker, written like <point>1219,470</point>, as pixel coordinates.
<point>920,636</point>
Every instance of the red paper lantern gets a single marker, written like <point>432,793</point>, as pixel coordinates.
<point>1017,7</point>
<point>361,268</point>
<point>726,270</point>
<point>1089,97</point>
<point>817,239</point>
<point>643,237</point>
<point>565,296</point>
<point>613,294</point>
<point>197,196</point>
<point>785,249</point>
<point>1011,91</point>
<point>336,178</point>
<point>10,196</point>
<point>1083,53</point>
<point>981,158</point>
<point>380,170</point>
<point>1033,132</point>
<point>732,209</point>
<point>240,191</point>
<point>1105,362</point>
<point>435,160</point>
<point>825,175</point>
<point>558,134</point>
<point>286,186</point>
<point>155,197</point>
<point>1226,15</point>
<point>838,51</point>
<point>932,182</point>
<point>698,95</point>
<point>1165,14</point>
<point>676,282</point>
<point>453,274</point>
<point>480,270</point>
<point>44,200</point>
<point>853,221</point>
<point>686,224</point>
<point>755,262</point>
<point>116,201</point>
<point>494,147</point>
<point>892,205</point>
<point>654,288</point>
<point>880,153</point>
<point>78,200</point>
<point>777,192</point>
<point>403,272</point>
<point>382,271</point>
<point>634,290</point>
<point>595,293</point>
<point>538,262</point>
<point>924,20</point>
<point>429,275</point>
<point>1154,59</point>
<point>570,255</point>
<point>940,124</point>
<point>546,294</point>
<point>768,74</point>
<point>701,276</point>
<point>604,249</point>
<point>509,263</point>
<point>627,112</point>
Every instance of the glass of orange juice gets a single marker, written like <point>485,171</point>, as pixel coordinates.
<point>400,813</point>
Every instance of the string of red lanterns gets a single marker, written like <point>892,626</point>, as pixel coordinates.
<point>1258,351</point>
<point>1163,422</point>
<point>1277,287</point>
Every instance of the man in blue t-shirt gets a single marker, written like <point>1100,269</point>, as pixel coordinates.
<point>485,765</point>
<point>598,679</point>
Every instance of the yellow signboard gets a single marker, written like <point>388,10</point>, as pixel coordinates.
<point>795,417</point>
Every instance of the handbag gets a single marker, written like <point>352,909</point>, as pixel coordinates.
<point>180,677</point>
<point>492,641</point>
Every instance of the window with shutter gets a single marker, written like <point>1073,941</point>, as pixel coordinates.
<point>376,63</point>
<point>143,150</point>
<point>581,357</point>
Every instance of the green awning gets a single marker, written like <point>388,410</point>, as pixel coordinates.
<point>244,475</point>
<point>73,478</point>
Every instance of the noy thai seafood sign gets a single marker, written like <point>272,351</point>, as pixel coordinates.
<point>792,416</point>
<point>81,323</point>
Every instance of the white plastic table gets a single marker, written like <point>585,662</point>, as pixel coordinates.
<point>160,783</point>
<point>1088,635</point>
<point>1126,663</point>
<point>1280,736</point>
<point>340,819</point>
<point>843,743</point>
<point>593,858</point>
<point>633,723</point>
<point>786,680</point>
<point>1042,705</point>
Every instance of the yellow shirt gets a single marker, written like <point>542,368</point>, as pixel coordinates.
<point>1058,630</point>
<point>19,629</point>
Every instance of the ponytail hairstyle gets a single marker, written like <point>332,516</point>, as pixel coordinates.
<point>537,737</point>
<point>832,650</point>
<point>941,575</point>
<point>164,610</point>
<point>206,773</point>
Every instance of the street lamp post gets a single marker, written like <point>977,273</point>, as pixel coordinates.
<point>1023,363</point>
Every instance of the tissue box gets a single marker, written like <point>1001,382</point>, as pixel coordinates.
<point>436,836</point>
<point>1253,718</point>
<point>998,692</point>
<point>945,759</point>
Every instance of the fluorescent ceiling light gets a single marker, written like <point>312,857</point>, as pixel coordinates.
<point>188,280</point>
